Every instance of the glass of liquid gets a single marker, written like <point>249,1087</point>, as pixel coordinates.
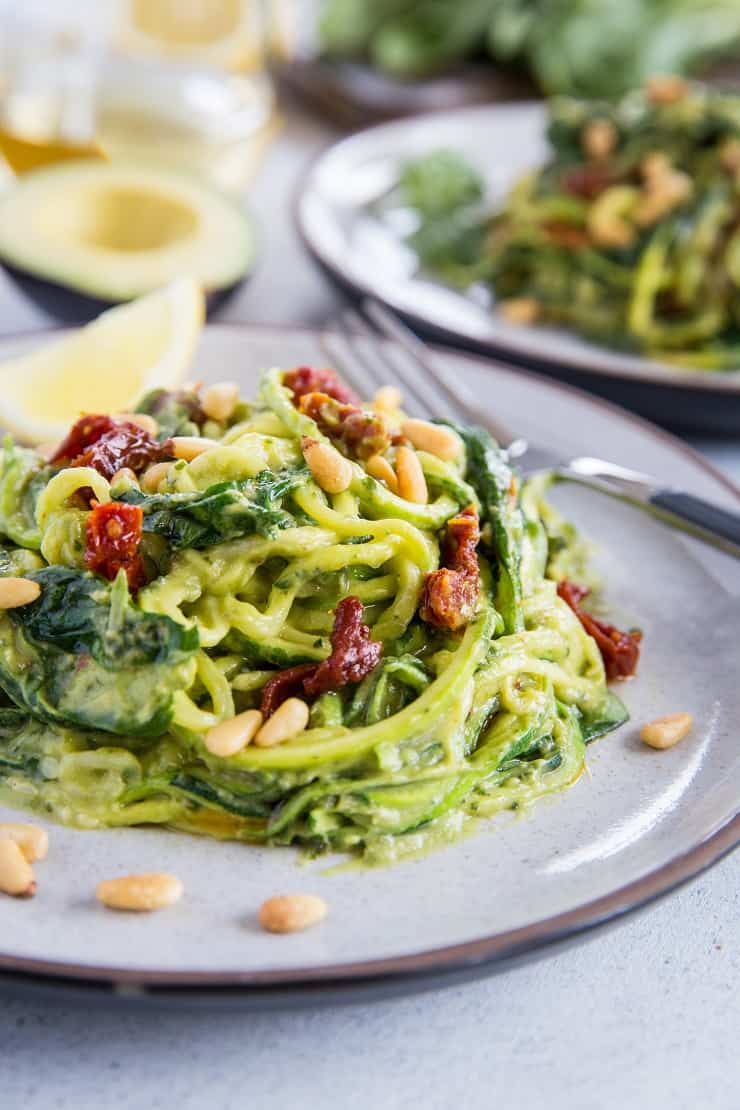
<point>181,83</point>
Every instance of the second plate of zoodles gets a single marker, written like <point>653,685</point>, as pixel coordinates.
<point>628,234</point>
<point>296,619</point>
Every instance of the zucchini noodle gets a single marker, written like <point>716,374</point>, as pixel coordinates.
<point>109,693</point>
<point>628,234</point>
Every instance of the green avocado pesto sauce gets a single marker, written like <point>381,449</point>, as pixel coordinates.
<point>106,699</point>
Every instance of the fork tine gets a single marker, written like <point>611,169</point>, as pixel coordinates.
<point>340,354</point>
<point>381,364</point>
<point>458,399</point>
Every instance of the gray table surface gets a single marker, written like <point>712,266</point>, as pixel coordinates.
<point>643,1016</point>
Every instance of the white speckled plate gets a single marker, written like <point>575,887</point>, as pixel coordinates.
<point>636,825</point>
<point>366,256</point>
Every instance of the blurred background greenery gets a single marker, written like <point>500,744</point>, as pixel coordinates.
<point>582,47</point>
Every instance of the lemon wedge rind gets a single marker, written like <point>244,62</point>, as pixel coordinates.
<point>105,366</point>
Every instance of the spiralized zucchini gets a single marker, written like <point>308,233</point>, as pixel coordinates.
<point>109,697</point>
<point>628,234</point>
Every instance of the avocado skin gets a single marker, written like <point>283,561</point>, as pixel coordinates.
<point>72,306</point>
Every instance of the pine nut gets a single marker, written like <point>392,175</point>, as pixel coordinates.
<point>664,732</point>
<point>433,438</point>
<point>231,736</point>
<point>519,310</point>
<point>150,891</point>
<point>189,447</point>
<point>142,420</point>
<point>729,157</point>
<point>219,401</point>
<point>291,913</point>
<point>655,165</point>
<point>388,399</point>
<point>380,468</point>
<point>288,719</point>
<point>15,592</point>
<point>599,139</point>
<point>32,840</point>
<point>16,874</point>
<point>47,449</point>
<point>660,195</point>
<point>666,88</point>
<point>152,478</point>
<point>331,470</point>
<point>412,484</point>
<point>124,476</point>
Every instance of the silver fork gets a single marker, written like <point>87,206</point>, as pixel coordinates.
<point>357,346</point>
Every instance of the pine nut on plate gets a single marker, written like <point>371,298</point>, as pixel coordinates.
<point>288,720</point>
<point>15,592</point>
<point>154,476</point>
<point>292,913</point>
<point>124,476</point>
<point>32,840</point>
<point>665,732</point>
<point>434,438</point>
<point>219,401</point>
<point>412,484</point>
<point>519,310</point>
<point>599,138</point>
<point>152,890</point>
<point>231,736</point>
<point>330,470</point>
<point>380,469</point>
<point>189,447</point>
<point>667,88</point>
<point>16,874</point>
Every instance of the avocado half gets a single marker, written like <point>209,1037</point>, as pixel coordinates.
<point>114,231</point>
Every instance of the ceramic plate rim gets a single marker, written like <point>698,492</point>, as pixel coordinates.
<point>519,342</point>
<point>416,970</point>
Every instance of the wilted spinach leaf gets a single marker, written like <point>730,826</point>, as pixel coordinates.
<point>222,512</point>
<point>177,412</point>
<point>84,654</point>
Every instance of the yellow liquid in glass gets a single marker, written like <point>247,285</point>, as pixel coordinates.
<point>185,88</point>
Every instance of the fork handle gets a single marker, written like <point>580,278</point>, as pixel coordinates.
<point>683,511</point>
<point>701,518</point>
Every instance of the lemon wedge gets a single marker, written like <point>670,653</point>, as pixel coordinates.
<point>105,366</point>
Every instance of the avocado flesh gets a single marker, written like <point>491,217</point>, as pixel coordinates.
<point>114,232</point>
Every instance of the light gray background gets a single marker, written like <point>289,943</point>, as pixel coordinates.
<point>645,1015</point>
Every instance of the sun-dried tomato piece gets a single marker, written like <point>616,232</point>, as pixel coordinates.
<point>285,684</point>
<point>356,431</point>
<point>83,433</point>
<point>113,534</point>
<point>588,181</point>
<point>450,597</point>
<point>310,379</point>
<point>107,445</point>
<point>354,655</point>
<point>619,650</point>
<point>566,235</point>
